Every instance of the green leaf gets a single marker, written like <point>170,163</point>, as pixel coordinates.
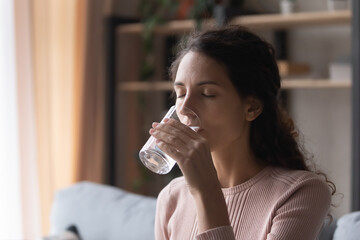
<point>147,71</point>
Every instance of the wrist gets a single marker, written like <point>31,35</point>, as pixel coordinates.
<point>213,192</point>
<point>211,209</point>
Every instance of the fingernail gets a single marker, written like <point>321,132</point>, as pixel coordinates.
<point>166,120</point>
<point>154,124</point>
<point>151,131</point>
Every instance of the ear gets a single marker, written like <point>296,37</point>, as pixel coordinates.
<point>254,108</point>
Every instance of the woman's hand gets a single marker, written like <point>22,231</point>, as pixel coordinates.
<point>192,153</point>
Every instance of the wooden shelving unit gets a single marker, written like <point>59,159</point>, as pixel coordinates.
<point>314,83</point>
<point>263,21</point>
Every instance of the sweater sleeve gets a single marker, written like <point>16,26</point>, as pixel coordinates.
<point>219,233</point>
<point>161,217</point>
<point>302,213</point>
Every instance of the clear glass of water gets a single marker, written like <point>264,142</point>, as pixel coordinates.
<point>150,154</point>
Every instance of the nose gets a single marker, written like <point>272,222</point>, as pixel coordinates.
<point>187,106</point>
<point>187,112</point>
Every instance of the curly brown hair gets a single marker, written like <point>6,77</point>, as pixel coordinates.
<point>252,68</point>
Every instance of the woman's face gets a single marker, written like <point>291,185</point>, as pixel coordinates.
<point>202,85</point>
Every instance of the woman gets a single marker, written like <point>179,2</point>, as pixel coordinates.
<point>244,174</point>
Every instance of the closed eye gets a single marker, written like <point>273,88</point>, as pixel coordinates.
<point>203,94</point>
<point>208,95</point>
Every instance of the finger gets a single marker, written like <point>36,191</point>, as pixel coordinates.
<point>175,131</point>
<point>182,128</point>
<point>170,150</point>
<point>170,139</point>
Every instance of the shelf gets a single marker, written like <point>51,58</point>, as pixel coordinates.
<point>259,21</point>
<point>314,84</point>
<point>301,19</point>
<point>286,84</point>
<point>145,86</point>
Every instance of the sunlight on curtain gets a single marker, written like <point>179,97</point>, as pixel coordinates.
<point>57,62</point>
<point>30,199</point>
<point>10,192</point>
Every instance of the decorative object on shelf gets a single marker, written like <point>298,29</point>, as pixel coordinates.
<point>288,69</point>
<point>287,6</point>
<point>334,5</point>
<point>340,69</point>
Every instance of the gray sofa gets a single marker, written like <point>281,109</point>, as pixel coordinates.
<point>103,212</point>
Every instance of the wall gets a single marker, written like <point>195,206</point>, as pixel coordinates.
<point>324,115</point>
<point>324,119</point>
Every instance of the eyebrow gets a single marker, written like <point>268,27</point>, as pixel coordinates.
<point>198,84</point>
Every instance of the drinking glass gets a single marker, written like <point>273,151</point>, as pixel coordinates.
<point>150,154</point>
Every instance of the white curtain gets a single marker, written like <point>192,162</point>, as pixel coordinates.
<point>10,191</point>
<point>19,204</point>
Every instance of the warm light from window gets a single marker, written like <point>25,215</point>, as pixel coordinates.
<point>10,207</point>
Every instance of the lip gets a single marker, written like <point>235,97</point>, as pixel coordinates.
<point>200,130</point>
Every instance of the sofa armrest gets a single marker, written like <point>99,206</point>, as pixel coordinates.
<point>348,227</point>
<point>103,212</point>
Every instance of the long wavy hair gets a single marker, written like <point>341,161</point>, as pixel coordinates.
<point>252,68</point>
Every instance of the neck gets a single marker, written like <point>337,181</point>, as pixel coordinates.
<point>235,164</point>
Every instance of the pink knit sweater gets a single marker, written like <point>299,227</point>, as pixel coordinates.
<point>275,204</point>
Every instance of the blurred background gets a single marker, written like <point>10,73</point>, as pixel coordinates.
<point>81,81</point>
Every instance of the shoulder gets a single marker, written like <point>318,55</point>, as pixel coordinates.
<point>175,191</point>
<point>291,177</point>
<point>301,184</point>
<point>298,202</point>
<point>173,198</point>
<point>175,185</point>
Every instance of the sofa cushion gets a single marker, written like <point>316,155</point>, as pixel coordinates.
<point>103,212</point>
<point>328,230</point>
<point>348,227</point>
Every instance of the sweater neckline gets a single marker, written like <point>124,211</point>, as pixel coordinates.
<point>245,185</point>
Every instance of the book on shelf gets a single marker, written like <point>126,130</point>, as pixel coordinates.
<point>287,68</point>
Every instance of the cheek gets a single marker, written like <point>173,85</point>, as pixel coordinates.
<point>224,129</point>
